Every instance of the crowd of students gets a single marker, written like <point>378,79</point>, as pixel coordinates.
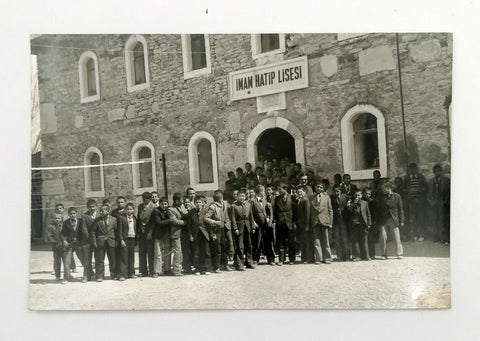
<point>277,211</point>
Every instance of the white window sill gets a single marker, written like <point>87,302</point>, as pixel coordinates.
<point>89,99</point>
<point>269,53</point>
<point>366,174</point>
<point>195,73</point>
<point>138,87</point>
<point>97,194</point>
<point>205,187</point>
<point>139,191</point>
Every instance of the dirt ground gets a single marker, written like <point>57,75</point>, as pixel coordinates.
<point>420,280</point>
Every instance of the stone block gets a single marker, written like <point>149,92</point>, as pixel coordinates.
<point>116,115</point>
<point>329,65</point>
<point>425,51</point>
<point>131,113</point>
<point>78,121</point>
<point>48,120</point>
<point>155,108</point>
<point>272,102</point>
<point>375,59</point>
<point>234,122</point>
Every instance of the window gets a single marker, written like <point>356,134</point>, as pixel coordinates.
<point>143,168</point>
<point>196,55</point>
<point>202,155</point>
<point>93,173</point>
<point>363,142</point>
<point>267,44</point>
<point>136,62</point>
<point>88,76</point>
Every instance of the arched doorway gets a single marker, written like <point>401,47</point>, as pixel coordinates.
<point>275,130</point>
<point>276,143</point>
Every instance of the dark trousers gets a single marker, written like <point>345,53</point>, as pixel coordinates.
<point>285,238</point>
<point>340,233</point>
<point>126,258</point>
<point>372,240</point>
<point>415,211</point>
<point>243,249</point>
<point>256,238</point>
<point>230,243</point>
<point>306,245</point>
<point>321,243</point>
<point>145,253</point>
<point>268,239</point>
<point>218,250</point>
<point>57,260</point>
<point>85,253</point>
<point>359,234</point>
<point>204,261</point>
<point>100,252</point>
<point>187,262</point>
<point>441,223</point>
<point>67,259</point>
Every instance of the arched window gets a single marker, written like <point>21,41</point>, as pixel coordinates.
<point>143,168</point>
<point>88,76</point>
<point>93,173</point>
<point>196,55</point>
<point>136,62</point>
<point>202,156</point>
<point>363,142</point>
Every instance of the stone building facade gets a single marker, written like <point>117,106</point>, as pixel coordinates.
<point>96,107</point>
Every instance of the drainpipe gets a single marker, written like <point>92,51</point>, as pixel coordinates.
<point>401,102</point>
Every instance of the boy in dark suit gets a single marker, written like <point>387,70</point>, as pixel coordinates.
<point>200,236</point>
<point>439,199</point>
<point>126,239</point>
<point>73,234</point>
<point>347,187</point>
<point>145,235</point>
<point>177,215</point>
<point>121,204</point>
<point>360,221</point>
<point>283,219</point>
<point>302,221</point>
<point>218,218</point>
<point>88,219</point>
<point>340,231</point>
<point>321,220</point>
<point>54,230</point>
<point>104,241</point>
<point>373,231</point>
<point>242,225</point>
<point>262,215</point>
<point>161,236</point>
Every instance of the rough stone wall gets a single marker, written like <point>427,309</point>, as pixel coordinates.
<point>341,75</point>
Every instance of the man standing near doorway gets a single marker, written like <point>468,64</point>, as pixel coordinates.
<point>321,221</point>
<point>145,235</point>
<point>416,188</point>
<point>283,219</point>
<point>392,218</point>
<point>218,218</point>
<point>439,199</point>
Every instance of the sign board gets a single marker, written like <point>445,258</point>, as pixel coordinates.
<point>291,74</point>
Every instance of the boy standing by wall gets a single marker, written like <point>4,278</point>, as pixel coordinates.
<point>104,242</point>
<point>126,239</point>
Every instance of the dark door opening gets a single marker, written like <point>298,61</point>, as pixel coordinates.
<point>276,143</point>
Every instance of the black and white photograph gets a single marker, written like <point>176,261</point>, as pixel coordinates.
<point>240,171</point>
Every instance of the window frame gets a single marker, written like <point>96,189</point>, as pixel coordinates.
<point>187,58</point>
<point>256,42</point>
<point>129,63</point>
<point>194,169</point>
<point>348,148</point>
<point>87,174</point>
<point>137,190</point>
<point>82,76</point>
